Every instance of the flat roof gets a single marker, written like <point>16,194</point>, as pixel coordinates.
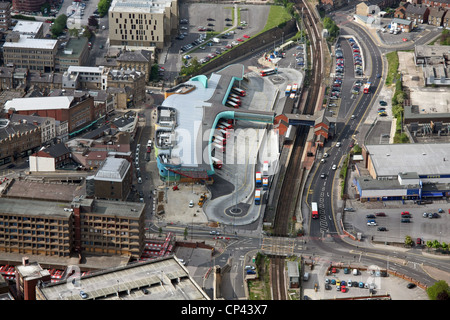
<point>425,159</point>
<point>34,208</point>
<point>85,69</point>
<point>40,103</point>
<point>30,43</point>
<point>113,169</point>
<point>27,27</point>
<point>141,6</point>
<point>162,278</point>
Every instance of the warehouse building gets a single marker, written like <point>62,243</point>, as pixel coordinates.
<point>405,172</point>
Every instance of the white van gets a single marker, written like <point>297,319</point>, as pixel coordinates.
<point>355,272</point>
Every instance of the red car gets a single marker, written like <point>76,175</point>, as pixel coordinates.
<point>405,213</point>
<point>246,36</point>
<point>239,39</point>
<point>333,270</point>
<point>380,214</point>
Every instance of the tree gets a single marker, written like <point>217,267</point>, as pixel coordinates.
<point>103,7</point>
<point>429,244</point>
<point>408,241</point>
<point>73,32</point>
<point>93,21</point>
<point>438,291</point>
<point>436,244</point>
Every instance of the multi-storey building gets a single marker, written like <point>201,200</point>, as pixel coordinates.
<point>34,54</point>
<point>105,78</point>
<point>77,111</point>
<point>74,53</point>
<point>50,228</point>
<point>114,179</point>
<point>47,125</point>
<point>5,15</point>
<point>141,23</point>
<point>28,5</point>
<point>17,140</point>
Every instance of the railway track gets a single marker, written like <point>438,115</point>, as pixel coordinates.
<point>288,201</point>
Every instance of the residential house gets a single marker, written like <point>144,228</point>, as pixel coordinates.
<point>417,13</point>
<point>436,16</point>
<point>445,4</point>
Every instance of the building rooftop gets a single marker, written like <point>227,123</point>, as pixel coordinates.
<point>34,208</point>
<point>27,27</point>
<point>73,48</point>
<point>29,43</point>
<point>141,6</point>
<point>162,279</point>
<point>425,159</point>
<point>39,103</point>
<point>50,191</point>
<point>113,169</point>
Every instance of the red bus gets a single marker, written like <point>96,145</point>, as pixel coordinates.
<point>232,104</point>
<point>267,72</point>
<point>217,163</point>
<point>315,212</point>
<point>239,91</point>
<point>367,87</point>
<point>238,102</point>
<point>232,95</point>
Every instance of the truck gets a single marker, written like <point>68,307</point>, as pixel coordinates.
<point>257,196</point>
<point>315,211</point>
<point>366,87</point>
<point>258,179</point>
<point>202,200</point>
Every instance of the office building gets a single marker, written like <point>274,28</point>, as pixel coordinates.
<point>142,23</point>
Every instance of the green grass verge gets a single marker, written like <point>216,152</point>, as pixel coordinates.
<point>277,15</point>
<point>393,64</point>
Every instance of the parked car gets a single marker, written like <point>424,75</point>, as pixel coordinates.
<point>405,220</point>
<point>370,216</point>
<point>382,229</point>
<point>380,214</point>
<point>405,213</point>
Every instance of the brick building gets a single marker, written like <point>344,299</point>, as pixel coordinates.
<point>77,111</point>
<point>17,140</point>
